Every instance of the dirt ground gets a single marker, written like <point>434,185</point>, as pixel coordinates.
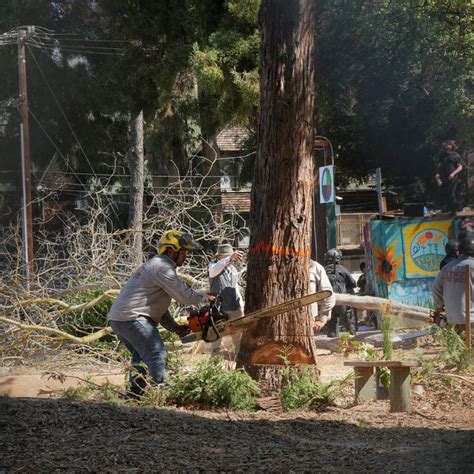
<point>57,434</point>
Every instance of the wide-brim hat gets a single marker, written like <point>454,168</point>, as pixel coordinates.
<point>224,250</point>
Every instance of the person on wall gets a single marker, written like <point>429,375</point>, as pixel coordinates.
<point>447,175</point>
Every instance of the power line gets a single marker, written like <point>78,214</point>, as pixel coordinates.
<point>57,45</point>
<point>49,138</point>
<point>77,49</point>
<point>93,40</point>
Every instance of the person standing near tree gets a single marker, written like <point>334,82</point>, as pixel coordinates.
<point>341,282</point>
<point>318,281</point>
<point>143,304</point>
<point>223,279</point>
<point>448,169</point>
<point>449,287</point>
<point>224,282</point>
<point>452,253</point>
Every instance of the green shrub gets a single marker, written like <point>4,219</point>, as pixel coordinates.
<point>388,323</point>
<point>299,386</point>
<point>211,384</point>
<point>454,351</point>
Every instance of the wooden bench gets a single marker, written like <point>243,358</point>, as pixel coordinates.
<point>400,381</point>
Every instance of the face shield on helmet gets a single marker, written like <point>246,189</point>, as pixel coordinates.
<point>177,240</point>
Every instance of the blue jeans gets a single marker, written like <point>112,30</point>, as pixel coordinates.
<point>143,340</point>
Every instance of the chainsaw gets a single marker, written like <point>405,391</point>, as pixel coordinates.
<point>439,318</point>
<point>211,320</point>
<point>203,320</point>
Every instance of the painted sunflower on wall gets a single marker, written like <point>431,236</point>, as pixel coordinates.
<point>387,263</point>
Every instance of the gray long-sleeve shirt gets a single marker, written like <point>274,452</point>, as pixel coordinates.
<point>150,289</point>
<point>449,290</point>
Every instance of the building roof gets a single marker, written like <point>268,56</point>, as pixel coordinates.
<point>237,201</point>
<point>232,138</point>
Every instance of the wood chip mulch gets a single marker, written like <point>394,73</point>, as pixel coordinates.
<point>40,435</point>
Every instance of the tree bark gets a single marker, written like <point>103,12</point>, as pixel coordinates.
<point>210,166</point>
<point>281,209</point>
<point>136,165</point>
<point>211,169</point>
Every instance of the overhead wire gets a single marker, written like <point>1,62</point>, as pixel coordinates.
<point>47,134</point>
<point>94,40</point>
<point>62,110</point>
<point>78,51</point>
<point>57,44</point>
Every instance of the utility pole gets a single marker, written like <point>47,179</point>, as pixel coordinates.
<point>380,197</point>
<point>27,220</point>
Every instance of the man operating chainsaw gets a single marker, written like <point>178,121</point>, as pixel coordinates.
<point>143,303</point>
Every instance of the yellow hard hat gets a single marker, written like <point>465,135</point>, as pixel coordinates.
<point>176,240</point>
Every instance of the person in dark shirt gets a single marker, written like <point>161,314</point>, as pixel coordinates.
<point>342,282</point>
<point>449,167</point>
<point>452,253</point>
<point>362,280</point>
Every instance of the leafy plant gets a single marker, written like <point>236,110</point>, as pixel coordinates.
<point>210,383</point>
<point>301,387</point>
<point>89,390</point>
<point>345,345</point>
<point>387,333</point>
<point>454,351</point>
<point>328,393</point>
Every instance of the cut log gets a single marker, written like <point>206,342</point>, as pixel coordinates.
<point>374,303</point>
<point>272,404</point>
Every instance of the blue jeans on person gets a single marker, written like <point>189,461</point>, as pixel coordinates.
<point>144,342</point>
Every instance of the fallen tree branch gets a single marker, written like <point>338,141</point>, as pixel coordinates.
<point>373,303</point>
<point>465,379</point>
<point>67,308</point>
<point>60,334</point>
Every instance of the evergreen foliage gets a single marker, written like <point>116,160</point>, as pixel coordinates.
<point>209,383</point>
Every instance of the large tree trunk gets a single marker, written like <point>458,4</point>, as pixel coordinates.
<point>281,208</point>
<point>136,165</point>
<point>210,166</point>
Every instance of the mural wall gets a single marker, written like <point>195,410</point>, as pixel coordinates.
<point>403,256</point>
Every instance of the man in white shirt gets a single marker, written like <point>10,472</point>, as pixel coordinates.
<point>223,279</point>
<point>318,280</point>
